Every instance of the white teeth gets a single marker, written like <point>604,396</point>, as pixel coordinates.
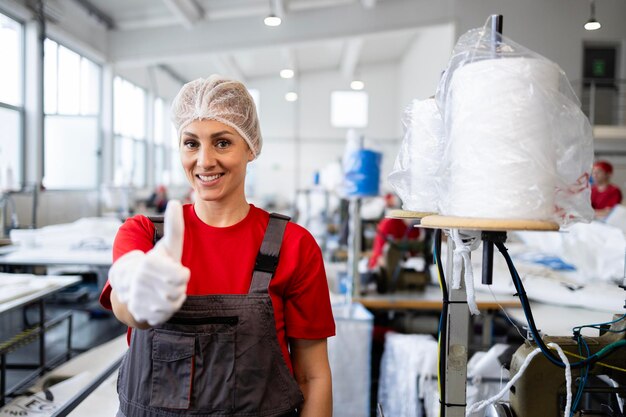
<point>209,177</point>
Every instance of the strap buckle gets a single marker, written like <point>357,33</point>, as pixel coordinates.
<point>266,263</point>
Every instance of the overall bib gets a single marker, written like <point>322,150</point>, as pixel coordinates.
<point>217,356</point>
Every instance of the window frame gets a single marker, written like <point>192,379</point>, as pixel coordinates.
<point>97,116</point>
<point>118,137</point>
<point>20,181</point>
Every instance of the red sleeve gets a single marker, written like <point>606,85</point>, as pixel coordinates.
<point>308,314</point>
<point>135,233</point>
<point>615,198</point>
<point>383,229</point>
<point>387,227</point>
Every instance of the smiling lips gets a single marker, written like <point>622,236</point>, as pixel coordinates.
<point>209,178</point>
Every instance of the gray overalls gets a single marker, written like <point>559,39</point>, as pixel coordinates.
<point>217,356</point>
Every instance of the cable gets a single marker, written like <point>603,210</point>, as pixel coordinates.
<point>583,376</point>
<point>607,350</point>
<point>597,326</point>
<point>505,314</point>
<point>443,325</point>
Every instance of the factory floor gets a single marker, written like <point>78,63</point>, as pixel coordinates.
<point>91,327</point>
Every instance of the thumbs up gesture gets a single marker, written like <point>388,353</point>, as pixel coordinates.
<point>153,285</point>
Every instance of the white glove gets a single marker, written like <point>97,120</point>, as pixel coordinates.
<point>153,285</point>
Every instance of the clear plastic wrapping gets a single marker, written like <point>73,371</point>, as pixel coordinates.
<point>518,145</point>
<point>414,176</point>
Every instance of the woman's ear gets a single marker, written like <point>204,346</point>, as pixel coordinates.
<point>250,155</point>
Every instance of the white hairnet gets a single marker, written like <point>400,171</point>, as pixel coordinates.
<point>223,100</point>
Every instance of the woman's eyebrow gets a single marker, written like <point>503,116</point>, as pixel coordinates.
<point>193,135</point>
<point>220,133</point>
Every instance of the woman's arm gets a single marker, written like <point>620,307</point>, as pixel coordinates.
<point>120,310</point>
<point>312,372</point>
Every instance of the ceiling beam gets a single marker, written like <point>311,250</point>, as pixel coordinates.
<point>187,11</point>
<point>92,10</point>
<point>175,44</point>
<point>175,76</point>
<point>350,57</point>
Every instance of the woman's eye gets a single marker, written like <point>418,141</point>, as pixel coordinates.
<point>190,144</point>
<point>222,144</point>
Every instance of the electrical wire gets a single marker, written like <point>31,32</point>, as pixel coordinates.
<point>607,350</point>
<point>443,325</point>
<point>597,326</point>
<point>583,375</point>
<point>508,318</point>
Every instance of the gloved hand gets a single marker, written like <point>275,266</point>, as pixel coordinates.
<point>153,285</point>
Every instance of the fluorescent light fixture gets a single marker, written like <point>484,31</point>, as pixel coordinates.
<point>286,73</point>
<point>272,20</point>
<point>291,96</point>
<point>592,23</point>
<point>357,85</point>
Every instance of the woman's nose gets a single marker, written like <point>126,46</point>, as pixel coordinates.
<point>206,157</point>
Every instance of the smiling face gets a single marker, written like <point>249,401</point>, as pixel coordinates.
<point>214,157</point>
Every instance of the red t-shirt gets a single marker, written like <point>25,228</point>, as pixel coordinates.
<point>221,261</point>
<point>390,228</point>
<point>609,197</point>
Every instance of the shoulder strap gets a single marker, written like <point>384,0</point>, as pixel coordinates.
<point>267,258</point>
<point>157,221</point>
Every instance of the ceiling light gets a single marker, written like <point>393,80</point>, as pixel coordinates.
<point>272,20</point>
<point>286,73</point>
<point>592,23</point>
<point>357,85</point>
<point>291,96</point>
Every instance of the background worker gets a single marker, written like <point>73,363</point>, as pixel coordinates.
<point>218,329</point>
<point>604,195</point>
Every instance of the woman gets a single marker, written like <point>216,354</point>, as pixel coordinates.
<point>604,195</point>
<point>220,325</point>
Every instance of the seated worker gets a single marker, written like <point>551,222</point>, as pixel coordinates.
<point>604,195</point>
<point>158,199</point>
<point>390,231</point>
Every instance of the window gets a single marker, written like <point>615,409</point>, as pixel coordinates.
<point>161,148</point>
<point>348,109</point>
<point>129,127</point>
<point>177,174</point>
<point>72,118</point>
<point>11,105</point>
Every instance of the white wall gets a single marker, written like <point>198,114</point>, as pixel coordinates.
<point>299,138</point>
<point>424,62</point>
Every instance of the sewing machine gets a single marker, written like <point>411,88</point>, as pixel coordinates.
<point>541,389</point>
<point>394,274</point>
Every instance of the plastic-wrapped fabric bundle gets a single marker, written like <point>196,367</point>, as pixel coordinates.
<point>408,364</point>
<point>349,354</point>
<point>518,144</point>
<point>414,176</point>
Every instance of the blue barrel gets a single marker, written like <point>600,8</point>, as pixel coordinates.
<point>362,173</point>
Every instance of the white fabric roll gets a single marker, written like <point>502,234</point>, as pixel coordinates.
<point>501,155</point>
<point>414,176</point>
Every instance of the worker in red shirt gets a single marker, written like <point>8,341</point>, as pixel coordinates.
<point>390,229</point>
<point>228,306</point>
<point>604,195</point>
